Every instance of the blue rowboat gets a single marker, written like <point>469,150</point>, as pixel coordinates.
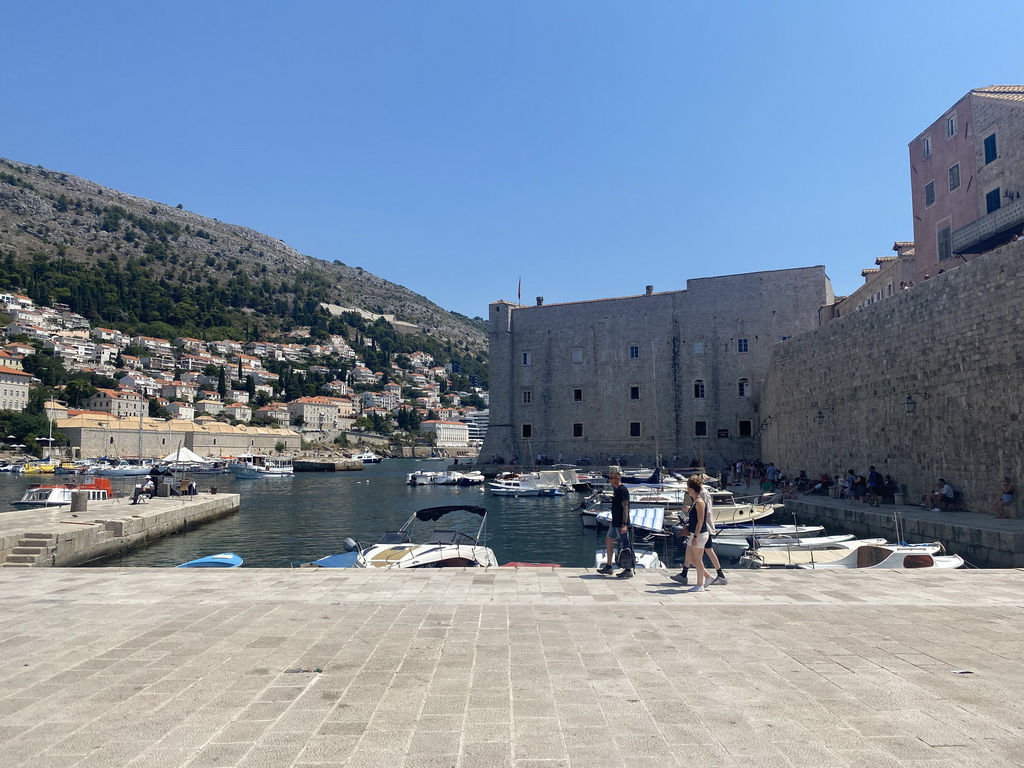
<point>223,560</point>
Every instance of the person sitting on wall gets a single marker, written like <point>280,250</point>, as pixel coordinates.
<point>942,498</point>
<point>887,490</point>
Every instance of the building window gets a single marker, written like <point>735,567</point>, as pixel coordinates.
<point>741,345</point>
<point>577,395</point>
<point>945,243</point>
<point>698,389</point>
<point>700,429</point>
<point>527,431</point>
<point>577,429</point>
<point>744,387</point>
<point>698,347</point>
<point>954,177</point>
<point>992,201</point>
<point>634,429</point>
<point>926,146</point>
<point>577,354</point>
<point>990,149</point>
<point>634,352</point>
<point>634,393</point>
<point>746,428</point>
<point>527,396</point>
<point>951,126</point>
<point>929,193</point>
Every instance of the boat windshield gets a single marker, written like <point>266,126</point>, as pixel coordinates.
<point>448,537</point>
<point>394,537</point>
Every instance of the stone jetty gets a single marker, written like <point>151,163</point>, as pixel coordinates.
<point>56,536</point>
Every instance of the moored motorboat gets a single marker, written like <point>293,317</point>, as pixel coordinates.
<point>222,560</point>
<point>646,519</point>
<point>253,465</point>
<point>368,457</point>
<point>532,484</point>
<point>900,555</point>
<point>421,477</point>
<point>646,557</point>
<point>404,548</point>
<point>59,495</point>
<point>735,547</point>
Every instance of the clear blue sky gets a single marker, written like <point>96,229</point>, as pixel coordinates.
<point>588,147</point>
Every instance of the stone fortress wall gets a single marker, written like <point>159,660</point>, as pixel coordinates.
<point>955,341</point>
<point>581,371</point>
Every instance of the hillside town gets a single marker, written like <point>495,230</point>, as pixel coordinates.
<point>239,387</point>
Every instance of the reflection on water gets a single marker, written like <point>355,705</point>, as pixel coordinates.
<point>298,519</point>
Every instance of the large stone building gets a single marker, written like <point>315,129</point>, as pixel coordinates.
<point>967,176</point>
<point>623,380</point>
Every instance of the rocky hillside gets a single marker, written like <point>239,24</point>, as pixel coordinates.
<point>106,246</point>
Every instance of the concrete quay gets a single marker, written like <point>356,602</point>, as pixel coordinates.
<point>509,667</point>
<point>57,537</point>
<point>327,465</point>
<point>980,539</point>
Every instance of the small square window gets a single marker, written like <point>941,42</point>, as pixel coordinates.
<point>634,393</point>
<point>527,396</point>
<point>929,193</point>
<point>577,395</point>
<point>527,358</point>
<point>577,354</point>
<point>634,352</point>
<point>698,347</point>
<point>577,429</point>
<point>700,429</point>
<point>746,428</point>
<point>527,431</point>
<point>742,345</point>
<point>954,177</point>
<point>634,429</point>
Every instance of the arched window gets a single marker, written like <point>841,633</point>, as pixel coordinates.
<point>698,389</point>
<point>744,387</point>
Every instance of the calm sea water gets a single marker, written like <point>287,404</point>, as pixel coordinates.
<point>285,521</point>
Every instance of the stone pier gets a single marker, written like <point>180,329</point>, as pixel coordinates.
<point>57,537</point>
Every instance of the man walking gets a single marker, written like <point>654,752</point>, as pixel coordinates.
<point>620,521</point>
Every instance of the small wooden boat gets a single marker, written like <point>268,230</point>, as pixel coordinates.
<point>223,560</point>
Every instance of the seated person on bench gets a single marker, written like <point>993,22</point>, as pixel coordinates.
<point>942,498</point>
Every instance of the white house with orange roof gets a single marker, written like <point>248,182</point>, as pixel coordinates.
<point>153,344</point>
<point>315,414</point>
<point>109,336</point>
<point>11,301</point>
<point>190,344</point>
<point>238,412</point>
<point>14,385</point>
<point>274,413</point>
<point>180,410</point>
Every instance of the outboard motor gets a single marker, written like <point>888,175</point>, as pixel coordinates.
<point>350,545</point>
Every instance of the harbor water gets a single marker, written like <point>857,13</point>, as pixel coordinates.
<point>285,521</point>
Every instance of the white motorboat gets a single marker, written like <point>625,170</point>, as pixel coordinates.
<point>368,457</point>
<point>863,556</point>
<point>728,510</point>
<point>441,548</point>
<point>735,547</point>
<point>743,531</point>
<point>253,465</point>
<point>421,477</point>
<point>472,478</point>
<point>122,468</point>
<point>532,484</point>
<point>60,495</point>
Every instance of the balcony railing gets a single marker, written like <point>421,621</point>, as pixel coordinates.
<point>990,230</point>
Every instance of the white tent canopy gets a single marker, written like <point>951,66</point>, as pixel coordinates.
<point>184,454</point>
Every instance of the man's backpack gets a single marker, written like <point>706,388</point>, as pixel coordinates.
<point>627,558</point>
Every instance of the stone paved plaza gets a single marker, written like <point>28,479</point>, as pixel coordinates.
<point>509,667</point>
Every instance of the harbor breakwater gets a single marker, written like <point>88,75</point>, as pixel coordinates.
<point>49,537</point>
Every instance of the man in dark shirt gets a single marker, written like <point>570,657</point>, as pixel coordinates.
<point>620,518</point>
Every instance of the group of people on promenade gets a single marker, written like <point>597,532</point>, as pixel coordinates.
<point>698,529</point>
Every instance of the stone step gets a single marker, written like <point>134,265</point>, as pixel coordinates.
<point>29,550</point>
<point>15,565</point>
<point>27,559</point>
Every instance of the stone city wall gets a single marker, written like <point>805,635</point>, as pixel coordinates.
<point>954,343</point>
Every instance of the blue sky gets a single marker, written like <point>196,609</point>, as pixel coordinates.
<point>589,148</point>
